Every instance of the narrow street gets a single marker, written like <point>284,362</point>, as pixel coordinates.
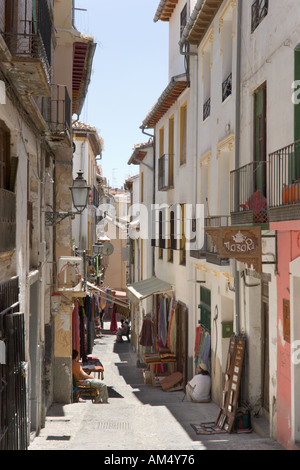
<point>138,416</point>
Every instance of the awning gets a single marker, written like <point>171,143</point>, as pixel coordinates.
<point>143,289</point>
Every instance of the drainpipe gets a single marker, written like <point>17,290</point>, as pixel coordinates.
<point>189,26</point>
<point>237,151</point>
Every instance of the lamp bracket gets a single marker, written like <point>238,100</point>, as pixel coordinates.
<point>55,218</point>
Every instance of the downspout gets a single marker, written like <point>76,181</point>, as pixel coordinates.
<point>153,194</point>
<point>237,150</point>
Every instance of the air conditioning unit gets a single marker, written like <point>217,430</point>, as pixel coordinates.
<point>70,270</point>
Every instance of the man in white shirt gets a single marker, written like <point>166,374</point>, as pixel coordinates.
<point>198,389</point>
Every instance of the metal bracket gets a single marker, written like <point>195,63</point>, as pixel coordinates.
<point>55,218</point>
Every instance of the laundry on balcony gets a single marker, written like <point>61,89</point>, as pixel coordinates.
<point>258,204</point>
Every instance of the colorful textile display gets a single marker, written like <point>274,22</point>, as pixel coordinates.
<point>171,341</point>
<point>113,322</point>
<point>146,335</point>
<point>202,347</point>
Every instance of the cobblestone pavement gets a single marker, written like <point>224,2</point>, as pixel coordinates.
<point>138,416</point>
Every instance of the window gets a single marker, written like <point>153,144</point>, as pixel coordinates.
<point>183,132</point>
<point>4,159</point>
<point>172,240</point>
<point>207,57</point>
<point>259,10</point>
<point>183,19</point>
<point>171,151</point>
<point>260,138</point>
<point>205,308</point>
<point>227,28</point>
<point>161,236</point>
<point>161,141</point>
<point>182,252</point>
<point>142,186</point>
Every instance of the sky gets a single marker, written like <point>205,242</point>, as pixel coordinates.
<point>129,73</point>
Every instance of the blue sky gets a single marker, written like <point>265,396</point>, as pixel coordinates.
<point>130,71</point>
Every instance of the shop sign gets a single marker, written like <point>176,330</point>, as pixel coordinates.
<point>240,243</point>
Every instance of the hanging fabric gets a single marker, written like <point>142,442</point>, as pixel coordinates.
<point>164,326</point>
<point>76,327</point>
<point>146,334</point>
<point>113,323</point>
<point>172,330</point>
<point>203,349</point>
<point>83,331</point>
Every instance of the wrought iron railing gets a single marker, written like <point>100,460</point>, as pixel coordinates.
<point>259,11</point>
<point>13,395</point>
<point>94,197</point>
<point>208,250</point>
<point>246,184</point>
<point>27,37</point>
<point>7,220</point>
<point>284,176</point>
<point>57,110</point>
<point>227,87</point>
<point>206,109</point>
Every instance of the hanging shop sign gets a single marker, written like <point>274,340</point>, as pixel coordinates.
<point>240,243</point>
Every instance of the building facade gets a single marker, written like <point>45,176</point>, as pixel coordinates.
<point>225,144</point>
<point>38,98</point>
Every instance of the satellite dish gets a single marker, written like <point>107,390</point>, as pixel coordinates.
<point>108,249</point>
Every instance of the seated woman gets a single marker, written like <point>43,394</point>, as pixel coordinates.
<point>198,389</point>
<point>86,379</point>
<point>123,331</point>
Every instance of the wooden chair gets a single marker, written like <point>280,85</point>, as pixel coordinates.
<point>81,390</point>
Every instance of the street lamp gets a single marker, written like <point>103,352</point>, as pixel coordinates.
<point>80,192</point>
<point>98,249</point>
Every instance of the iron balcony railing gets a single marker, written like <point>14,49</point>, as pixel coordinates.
<point>94,197</point>
<point>56,111</point>
<point>259,12</point>
<point>165,175</point>
<point>29,36</point>
<point>208,250</point>
<point>248,188</point>
<point>7,220</point>
<point>206,109</point>
<point>284,176</point>
<point>227,87</point>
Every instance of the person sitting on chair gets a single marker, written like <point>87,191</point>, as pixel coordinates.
<point>198,389</point>
<point>86,379</point>
<point>123,331</point>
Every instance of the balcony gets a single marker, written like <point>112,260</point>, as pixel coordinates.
<point>94,197</point>
<point>247,189</point>
<point>165,172</point>
<point>26,48</point>
<point>284,183</point>
<point>209,251</point>
<point>206,109</point>
<point>7,220</point>
<point>56,111</point>
<point>258,13</point>
<point>227,87</point>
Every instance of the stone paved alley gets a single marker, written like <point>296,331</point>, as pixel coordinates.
<point>138,416</point>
